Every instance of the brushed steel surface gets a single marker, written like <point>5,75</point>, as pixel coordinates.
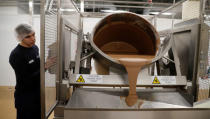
<point>89,103</point>
<point>166,114</point>
<point>122,80</point>
<point>114,99</point>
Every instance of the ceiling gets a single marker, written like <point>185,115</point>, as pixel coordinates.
<point>144,7</point>
<point>137,6</point>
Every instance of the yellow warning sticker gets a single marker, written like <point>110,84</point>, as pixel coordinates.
<point>156,81</point>
<point>80,79</point>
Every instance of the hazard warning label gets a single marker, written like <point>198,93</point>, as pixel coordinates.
<point>156,81</point>
<point>163,80</point>
<point>84,78</point>
<point>80,79</point>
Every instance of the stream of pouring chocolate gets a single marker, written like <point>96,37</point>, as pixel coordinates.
<point>133,65</point>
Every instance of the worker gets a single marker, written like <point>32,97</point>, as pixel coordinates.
<point>25,61</point>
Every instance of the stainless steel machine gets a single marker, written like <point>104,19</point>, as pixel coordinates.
<point>91,85</point>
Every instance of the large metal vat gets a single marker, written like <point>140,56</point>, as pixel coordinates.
<point>123,33</point>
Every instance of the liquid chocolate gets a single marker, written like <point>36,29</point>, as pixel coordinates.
<point>133,64</point>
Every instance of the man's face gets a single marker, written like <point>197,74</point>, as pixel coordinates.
<point>29,40</point>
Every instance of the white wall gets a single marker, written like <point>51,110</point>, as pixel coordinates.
<point>8,10</point>
<point>89,24</point>
<point>163,23</point>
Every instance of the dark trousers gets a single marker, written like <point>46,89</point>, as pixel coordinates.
<point>28,112</point>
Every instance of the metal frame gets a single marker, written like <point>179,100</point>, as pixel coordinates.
<point>120,81</point>
<point>42,59</point>
<point>201,55</point>
<point>204,42</point>
<point>78,52</point>
<point>144,114</point>
<point>68,27</point>
<point>171,7</point>
<point>133,4</point>
<point>59,52</point>
<point>128,2</point>
<point>195,37</point>
<point>83,112</point>
<point>45,114</point>
<point>172,44</point>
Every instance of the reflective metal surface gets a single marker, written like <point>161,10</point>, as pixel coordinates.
<point>114,99</point>
<point>122,25</point>
<point>164,114</point>
<point>122,80</point>
<point>109,104</point>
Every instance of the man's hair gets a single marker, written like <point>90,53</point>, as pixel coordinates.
<point>22,30</point>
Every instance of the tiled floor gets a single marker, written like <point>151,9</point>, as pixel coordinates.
<point>7,109</point>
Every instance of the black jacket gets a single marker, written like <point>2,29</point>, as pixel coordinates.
<point>26,64</point>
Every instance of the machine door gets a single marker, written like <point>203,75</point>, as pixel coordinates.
<point>49,38</point>
<point>56,35</point>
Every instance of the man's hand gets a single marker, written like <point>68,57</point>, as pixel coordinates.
<point>50,62</point>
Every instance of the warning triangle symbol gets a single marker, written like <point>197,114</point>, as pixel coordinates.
<point>156,81</point>
<point>80,79</point>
